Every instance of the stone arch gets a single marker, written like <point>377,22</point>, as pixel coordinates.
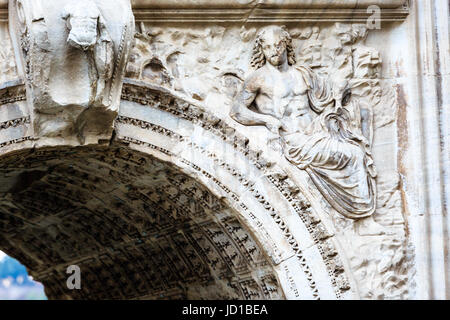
<point>299,256</point>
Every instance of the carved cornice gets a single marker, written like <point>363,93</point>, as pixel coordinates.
<point>261,15</point>
<point>267,11</point>
<point>251,11</point>
<point>3,14</point>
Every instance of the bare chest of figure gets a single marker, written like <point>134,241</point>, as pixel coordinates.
<point>281,94</point>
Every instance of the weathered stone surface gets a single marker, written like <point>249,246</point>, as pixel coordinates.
<point>254,149</point>
<point>136,227</point>
<point>72,55</point>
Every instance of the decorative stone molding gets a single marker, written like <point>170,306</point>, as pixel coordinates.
<point>335,280</point>
<point>152,97</point>
<point>191,113</point>
<point>266,11</point>
<point>12,92</point>
<point>253,11</point>
<point>289,4</point>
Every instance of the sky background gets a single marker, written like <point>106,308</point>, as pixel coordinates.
<point>15,284</point>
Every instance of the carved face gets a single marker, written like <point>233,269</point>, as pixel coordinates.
<point>82,22</point>
<point>273,45</point>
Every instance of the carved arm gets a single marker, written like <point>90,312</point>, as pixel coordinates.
<point>241,113</point>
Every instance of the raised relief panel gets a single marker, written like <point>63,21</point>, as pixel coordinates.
<point>306,119</point>
<point>72,55</point>
<point>310,100</point>
<point>319,124</point>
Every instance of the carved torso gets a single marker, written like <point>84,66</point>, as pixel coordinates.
<point>283,95</point>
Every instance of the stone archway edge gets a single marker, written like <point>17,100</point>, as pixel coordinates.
<point>160,99</point>
<point>320,230</point>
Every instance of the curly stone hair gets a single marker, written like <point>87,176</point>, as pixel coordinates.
<point>258,58</point>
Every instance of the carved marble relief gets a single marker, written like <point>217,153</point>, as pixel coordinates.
<point>322,112</point>
<point>134,131</point>
<point>72,56</point>
<point>331,133</point>
<point>88,32</point>
<point>320,127</point>
<point>256,150</point>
